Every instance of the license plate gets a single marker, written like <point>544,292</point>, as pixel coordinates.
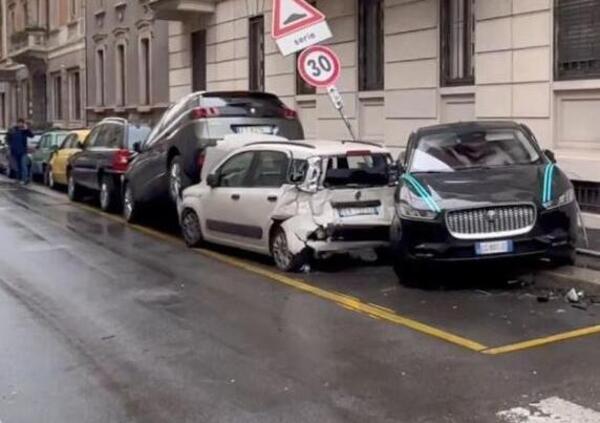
<point>493,247</point>
<point>264,130</point>
<point>358,211</point>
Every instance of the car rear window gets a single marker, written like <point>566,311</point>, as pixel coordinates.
<point>357,170</point>
<point>256,105</point>
<point>137,134</point>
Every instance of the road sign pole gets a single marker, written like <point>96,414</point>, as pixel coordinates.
<point>338,103</point>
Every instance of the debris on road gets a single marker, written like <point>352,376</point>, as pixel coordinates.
<point>574,296</point>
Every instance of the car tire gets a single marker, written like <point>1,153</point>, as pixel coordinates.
<point>130,205</point>
<point>178,180</point>
<point>73,190</point>
<point>407,272</point>
<point>284,259</point>
<point>49,177</point>
<point>191,229</point>
<point>108,195</point>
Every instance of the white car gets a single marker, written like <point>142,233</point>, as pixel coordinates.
<point>291,199</point>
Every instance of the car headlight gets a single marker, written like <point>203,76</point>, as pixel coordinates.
<point>406,211</point>
<point>565,198</point>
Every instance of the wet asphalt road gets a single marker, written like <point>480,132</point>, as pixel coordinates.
<point>100,322</point>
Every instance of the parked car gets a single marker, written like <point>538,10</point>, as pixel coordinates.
<point>479,191</point>
<point>172,157</point>
<point>292,200</point>
<point>101,165</point>
<point>40,156</point>
<point>56,171</point>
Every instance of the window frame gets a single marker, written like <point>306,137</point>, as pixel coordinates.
<point>101,76</point>
<point>367,82</point>
<point>256,62</point>
<point>145,60</point>
<point>468,42</point>
<point>121,74</point>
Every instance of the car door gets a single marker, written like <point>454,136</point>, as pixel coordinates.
<point>259,199</point>
<point>84,164</point>
<point>222,219</point>
<point>59,160</point>
<point>37,157</point>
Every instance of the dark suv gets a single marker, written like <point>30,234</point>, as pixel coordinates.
<point>101,165</point>
<point>172,157</point>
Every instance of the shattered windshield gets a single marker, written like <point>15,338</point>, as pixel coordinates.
<point>452,151</point>
<point>356,169</point>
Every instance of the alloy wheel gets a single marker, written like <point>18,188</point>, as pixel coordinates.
<point>128,204</point>
<point>190,226</point>
<point>104,196</point>
<point>281,253</point>
<point>175,181</point>
<point>71,188</point>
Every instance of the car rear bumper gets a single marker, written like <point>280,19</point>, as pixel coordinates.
<point>347,238</point>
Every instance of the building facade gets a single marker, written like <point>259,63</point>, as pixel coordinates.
<point>42,62</point>
<point>127,61</point>
<point>410,63</point>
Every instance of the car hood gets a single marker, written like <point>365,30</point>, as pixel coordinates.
<point>477,188</point>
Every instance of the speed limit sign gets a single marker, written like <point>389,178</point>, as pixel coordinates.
<point>319,66</point>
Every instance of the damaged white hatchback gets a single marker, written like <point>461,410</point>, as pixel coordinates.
<point>294,200</point>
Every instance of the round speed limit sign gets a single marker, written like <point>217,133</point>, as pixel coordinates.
<point>319,66</point>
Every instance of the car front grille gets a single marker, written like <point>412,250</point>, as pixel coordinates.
<point>491,222</point>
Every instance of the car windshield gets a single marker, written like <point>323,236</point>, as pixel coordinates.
<point>244,105</point>
<point>356,169</point>
<point>453,151</point>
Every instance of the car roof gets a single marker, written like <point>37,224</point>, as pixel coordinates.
<point>81,133</point>
<point>465,127</point>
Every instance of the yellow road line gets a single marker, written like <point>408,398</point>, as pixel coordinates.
<point>345,301</point>
<point>538,342</point>
<point>355,304</point>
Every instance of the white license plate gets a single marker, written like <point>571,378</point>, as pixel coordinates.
<point>493,247</point>
<point>268,130</point>
<point>358,211</point>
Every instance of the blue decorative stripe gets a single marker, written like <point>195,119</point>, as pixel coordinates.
<point>423,193</point>
<point>548,178</point>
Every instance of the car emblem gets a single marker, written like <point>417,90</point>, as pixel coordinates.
<point>358,195</point>
<point>252,111</point>
<point>492,216</point>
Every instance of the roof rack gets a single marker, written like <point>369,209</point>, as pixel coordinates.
<point>373,144</point>
<point>295,144</point>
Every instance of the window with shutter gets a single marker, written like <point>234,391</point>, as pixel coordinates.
<point>577,39</point>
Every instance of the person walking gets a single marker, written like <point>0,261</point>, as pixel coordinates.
<point>17,142</point>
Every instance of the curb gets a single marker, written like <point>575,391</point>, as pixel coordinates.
<point>580,278</point>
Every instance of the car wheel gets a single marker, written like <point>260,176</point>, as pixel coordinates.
<point>407,272</point>
<point>177,179</point>
<point>73,190</point>
<point>130,206</point>
<point>108,197</point>
<point>191,229</point>
<point>49,177</point>
<point>284,259</point>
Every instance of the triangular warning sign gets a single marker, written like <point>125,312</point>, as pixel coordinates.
<point>290,16</point>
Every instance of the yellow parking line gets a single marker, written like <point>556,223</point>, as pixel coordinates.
<point>346,301</point>
<point>356,305</point>
<point>538,342</point>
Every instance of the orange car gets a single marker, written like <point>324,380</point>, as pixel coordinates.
<point>56,173</point>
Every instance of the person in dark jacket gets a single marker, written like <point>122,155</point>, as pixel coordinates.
<point>17,142</point>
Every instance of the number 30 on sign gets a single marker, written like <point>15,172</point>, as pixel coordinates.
<point>319,66</point>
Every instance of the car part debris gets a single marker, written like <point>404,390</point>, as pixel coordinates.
<point>573,296</point>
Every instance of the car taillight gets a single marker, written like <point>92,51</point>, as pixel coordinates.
<point>289,113</point>
<point>121,160</point>
<point>205,112</point>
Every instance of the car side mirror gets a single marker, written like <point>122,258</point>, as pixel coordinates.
<point>550,155</point>
<point>212,180</point>
<point>137,147</point>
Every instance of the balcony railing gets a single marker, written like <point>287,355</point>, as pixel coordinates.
<point>182,9</point>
